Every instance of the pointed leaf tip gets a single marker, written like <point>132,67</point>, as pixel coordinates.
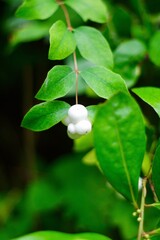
<point>58,82</point>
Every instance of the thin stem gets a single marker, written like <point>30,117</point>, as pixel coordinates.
<point>154,232</point>
<point>61,4</point>
<point>70,28</point>
<point>77,73</point>
<point>153,191</point>
<point>141,230</point>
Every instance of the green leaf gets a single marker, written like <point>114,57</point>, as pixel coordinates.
<point>129,71</point>
<point>130,51</point>
<point>89,10</point>
<point>93,46</point>
<point>45,115</point>
<point>103,82</point>
<point>48,235</point>
<point>127,57</point>
<point>29,31</point>
<point>154,50</point>
<point>150,95</point>
<point>156,171</point>
<point>58,83</point>
<point>119,136</point>
<point>37,9</point>
<point>62,42</point>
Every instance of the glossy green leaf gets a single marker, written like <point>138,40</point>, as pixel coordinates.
<point>150,95</point>
<point>62,42</point>
<point>58,83</point>
<point>103,82</point>
<point>37,9</point>
<point>119,136</point>
<point>133,51</point>
<point>49,235</point>
<point>156,171</point>
<point>45,115</point>
<point>93,46</point>
<point>154,50</point>
<point>89,10</point>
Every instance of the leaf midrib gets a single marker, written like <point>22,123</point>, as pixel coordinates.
<point>124,164</point>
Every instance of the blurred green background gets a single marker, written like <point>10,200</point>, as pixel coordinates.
<point>44,182</point>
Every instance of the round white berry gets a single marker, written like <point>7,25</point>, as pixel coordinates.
<point>77,113</point>
<point>66,121</point>
<point>71,128</point>
<point>83,127</point>
<point>73,135</point>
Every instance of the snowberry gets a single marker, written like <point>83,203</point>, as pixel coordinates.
<point>66,121</point>
<point>77,112</point>
<point>77,121</point>
<point>71,128</point>
<point>83,127</point>
<point>73,135</point>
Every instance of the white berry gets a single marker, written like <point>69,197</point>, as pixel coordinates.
<point>66,121</point>
<point>73,135</point>
<point>71,128</point>
<point>83,127</point>
<point>77,113</point>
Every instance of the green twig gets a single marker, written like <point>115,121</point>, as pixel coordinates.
<point>141,215</point>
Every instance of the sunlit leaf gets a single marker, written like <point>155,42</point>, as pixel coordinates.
<point>37,9</point>
<point>48,235</point>
<point>119,136</point>
<point>103,82</point>
<point>150,95</point>
<point>156,171</point>
<point>58,83</point>
<point>45,115</point>
<point>93,46</point>
<point>154,50</point>
<point>89,10</point>
<point>62,42</point>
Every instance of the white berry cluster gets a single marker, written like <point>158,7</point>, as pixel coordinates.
<point>77,121</point>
